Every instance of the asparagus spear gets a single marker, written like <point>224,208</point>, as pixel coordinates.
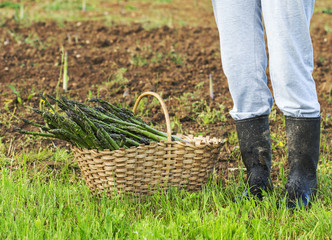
<point>102,127</point>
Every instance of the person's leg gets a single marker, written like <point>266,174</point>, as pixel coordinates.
<point>291,56</point>
<point>243,56</point>
<point>244,64</point>
<point>291,64</point>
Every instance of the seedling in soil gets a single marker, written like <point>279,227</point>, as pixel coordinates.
<point>182,23</point>
<point>18,95</point>
<point>144,108</point>
<point>176,58</point>
<point>207,117</point>
<point>34,41</point>
<point>31,95</point>
<point>200,134</point>
<point>119,78</point>
<point>199,86</point>
<point>83,5</point>
<point>17,37</point>
<point>157,57</point>
<point>233,151</point>
<point>61,5</point>
<point>65,72</point>
<point>6,104</point>
<point>130,7</point>
<point>138,61</point>
<point>327,10</point>
<point>90,94</point>
<point>115,81</point>
<point>185,102</point>
<point>328,96</point>
<point>2,150</point>
<point>176,125</point>
<point>211,86</point>
<point>21,11</point>
<point>7,118</point>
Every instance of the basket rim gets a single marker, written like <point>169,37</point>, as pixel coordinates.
<point>211,142</point>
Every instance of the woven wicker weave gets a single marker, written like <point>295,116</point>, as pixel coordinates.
<point>140,170</point>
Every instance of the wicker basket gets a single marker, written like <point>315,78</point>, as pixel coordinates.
<point>141,170</point>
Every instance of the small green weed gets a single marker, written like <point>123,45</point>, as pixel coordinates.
<point>182,23</point>
<point>90,95</point>
<point>327,10</point>
<point>17,93</point>
<point>199,86</point>
<point>172,56</point>
<point>115,81</point>
<point>138,60</point>
<point>208,115</point>
<point>8,118</point>
<point>145,107</point>
<point>61,5</point>
<point>211,115</point>
<point>34,41</point>
<point>130,7</point>
<point>119,77</point>
<point>10,4</point>
<point>158,57</point>
<point>185,99</point>
<point>176,58</point>
<point>176,125</point>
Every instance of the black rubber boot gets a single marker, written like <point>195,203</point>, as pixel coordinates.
<point>303,138</point>
<point>255,146</point>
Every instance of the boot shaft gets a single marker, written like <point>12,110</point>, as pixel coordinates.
<point>303,140</point>
<point>254,141</point>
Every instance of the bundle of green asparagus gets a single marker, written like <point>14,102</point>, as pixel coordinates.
<point>102,127</point>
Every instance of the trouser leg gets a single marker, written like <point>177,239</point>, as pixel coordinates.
<point>291,56</point>
<point>243,56</point>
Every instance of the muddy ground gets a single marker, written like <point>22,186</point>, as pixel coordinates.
<point>172,61</point>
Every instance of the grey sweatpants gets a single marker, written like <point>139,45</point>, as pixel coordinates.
<point>244,59</point>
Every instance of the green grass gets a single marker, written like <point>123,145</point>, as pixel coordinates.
<point>43,195</point>
<point>151,13</point>
<point>30,11</point>
<point>55,203</point>
<point>10,5</point>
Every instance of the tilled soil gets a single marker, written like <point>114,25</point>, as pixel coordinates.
<point>169,61</point>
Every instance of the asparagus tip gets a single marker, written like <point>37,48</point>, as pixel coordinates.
<point>36,110</point>
<point>17,129</point>
<point>25,120</point>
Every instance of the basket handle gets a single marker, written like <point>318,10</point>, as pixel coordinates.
<point>163,106</point>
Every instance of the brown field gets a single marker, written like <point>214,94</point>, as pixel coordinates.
<point>112,50</point>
